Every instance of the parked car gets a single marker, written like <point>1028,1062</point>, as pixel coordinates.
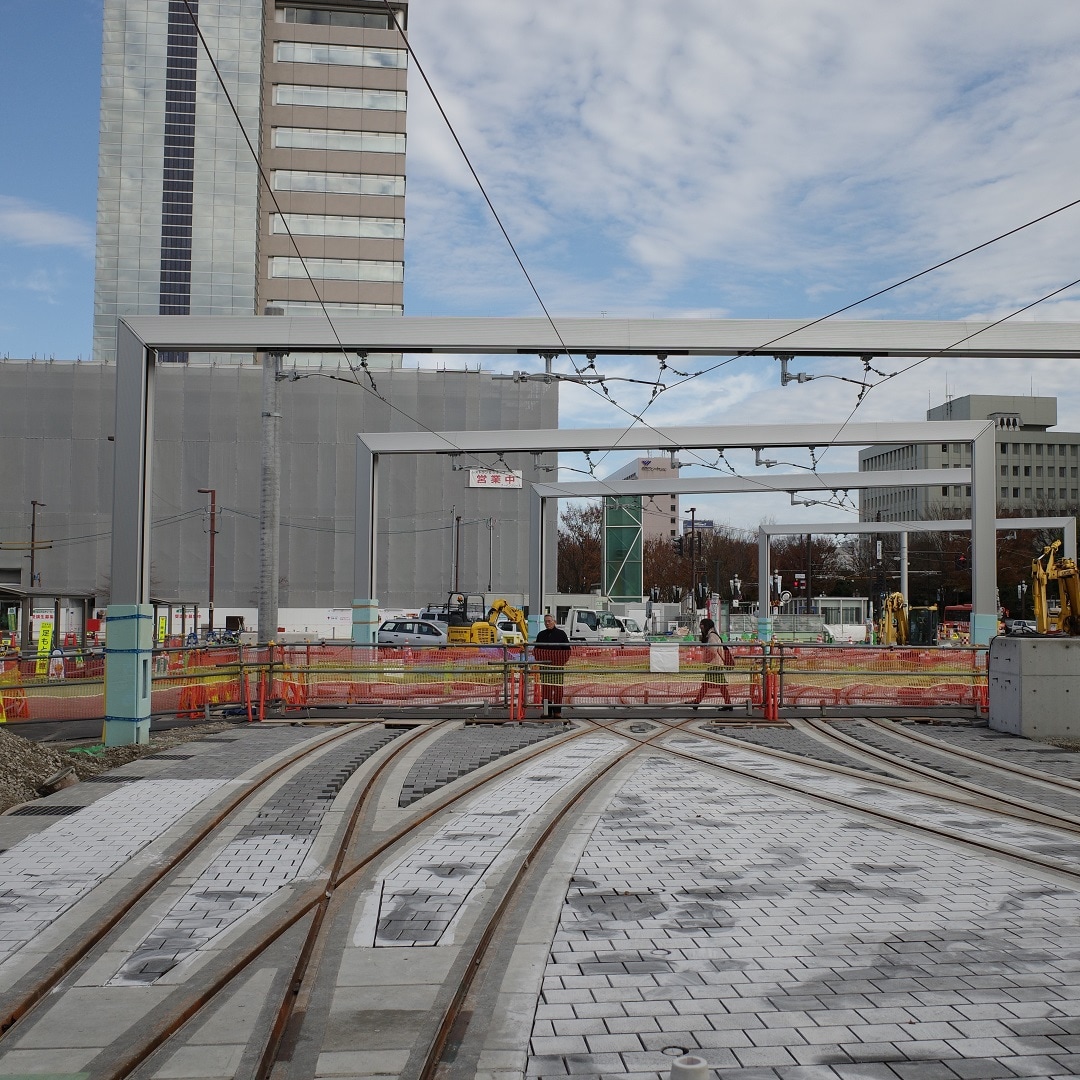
<point>1020,626</point>
<point>412,632</point>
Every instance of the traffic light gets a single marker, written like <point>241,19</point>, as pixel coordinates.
<point>961,562</point>
<point>678,542</point>
<point>798,585</point>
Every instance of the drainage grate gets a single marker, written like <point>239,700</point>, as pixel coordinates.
<point>112,779</point>
<point>46,811</point>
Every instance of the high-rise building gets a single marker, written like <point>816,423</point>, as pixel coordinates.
<point>252,155</point>
<point>659,513</point>
<point>1035,467</point>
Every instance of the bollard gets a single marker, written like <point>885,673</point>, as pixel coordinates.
<point>689,1067</point>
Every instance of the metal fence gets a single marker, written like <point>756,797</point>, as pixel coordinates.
<point>756,677</point>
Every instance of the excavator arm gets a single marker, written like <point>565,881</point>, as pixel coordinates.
<point>517,617</point>
<point>1048,568</point>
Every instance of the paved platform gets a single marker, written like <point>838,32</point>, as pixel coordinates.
<point>684,911</point>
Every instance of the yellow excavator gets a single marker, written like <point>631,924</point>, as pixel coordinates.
<point>901,625</point>
<point>893,628</point>
<point>462,629</point>
<point>1049,568</point>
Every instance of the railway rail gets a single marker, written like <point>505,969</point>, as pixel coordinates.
<point>455,926</point>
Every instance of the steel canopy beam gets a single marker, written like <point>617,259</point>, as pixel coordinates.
<point>720,483</point>
<point>640,437</point>
<point>615,337</point>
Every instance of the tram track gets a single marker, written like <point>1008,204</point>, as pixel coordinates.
<point>1026,858</point>
<point>286,1029</point>
<point>360,851</point>
<point>129,1053</point>
<point>19,999</point>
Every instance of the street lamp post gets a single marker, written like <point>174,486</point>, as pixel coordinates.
<point>34,504</point>
<point>693,556</point>
<point>212,492</point>
<point>1021,595</point>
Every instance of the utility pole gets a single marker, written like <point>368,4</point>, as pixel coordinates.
<point>270,493</point>
<point>693,556</point>
<point>457,551</point>
<point>34,504</point>
<point>212,492</point>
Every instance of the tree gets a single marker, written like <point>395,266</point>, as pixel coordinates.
<point>579,555</point>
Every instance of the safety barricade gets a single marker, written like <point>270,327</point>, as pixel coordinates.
<point>755,678</point>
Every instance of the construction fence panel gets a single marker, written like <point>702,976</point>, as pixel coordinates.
<point>191,682</point>
<point>896,676</point>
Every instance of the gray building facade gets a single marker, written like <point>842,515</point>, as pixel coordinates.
<point>55,423</point>
<point>186,222</point>
<point>1036,467</point>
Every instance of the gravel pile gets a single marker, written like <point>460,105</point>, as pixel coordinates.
<point>26,765</point>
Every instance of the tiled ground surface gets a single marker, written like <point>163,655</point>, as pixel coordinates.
<point>1011,748</point>
<point>466,749</point>
<point>782,940</point>
<point>44,874</point>
<point>266,855</point>
<point>422,894</point>
<point>970,771</point>
<point>792,742</point>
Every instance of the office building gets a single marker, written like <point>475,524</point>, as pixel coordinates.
<point>1036,468</point>
<point>189,222</point>
<point>659,513</point>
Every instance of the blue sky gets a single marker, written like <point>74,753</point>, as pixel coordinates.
<point>714,158</point>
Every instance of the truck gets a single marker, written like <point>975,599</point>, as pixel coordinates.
<point>590,626</point>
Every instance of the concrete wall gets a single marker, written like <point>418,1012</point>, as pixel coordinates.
<point>55,419</point>
<point>1035,687</point>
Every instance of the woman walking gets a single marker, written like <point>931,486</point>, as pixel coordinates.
<point>718,657</point>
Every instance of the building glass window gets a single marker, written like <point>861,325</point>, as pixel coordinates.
<point>1004,470</point>
<point>944,447</point>
<point>284,266</point>
<point>1049,449</point>
<point>339,183</point>
<point>1027,470</point>
<point>319,17</point>
<point>311,52</point>
<point>1004,448</point>
<point>1039,493</point>
<point>1004,492</point>
<point>1016,470</point>
<point>1038,448</point>
<point>1016,493</point>
<point>339,97</point>
<point>1038,470</point>
<point>1027,448</point>
<point>313,307</point>
<point>945,490</point>
<point>334,225</point>
<point>370,142</point>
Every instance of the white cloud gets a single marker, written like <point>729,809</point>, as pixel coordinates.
<point>27,225</point>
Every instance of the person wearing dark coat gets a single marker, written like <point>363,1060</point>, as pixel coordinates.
<point>552,651</point>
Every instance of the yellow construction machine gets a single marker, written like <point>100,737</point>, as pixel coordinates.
<point>901,625</point>
<point>1047,568</point>
<point>465,628</point>
<point>893,628</point>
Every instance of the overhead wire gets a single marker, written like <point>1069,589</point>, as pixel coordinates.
<point>659,387</point>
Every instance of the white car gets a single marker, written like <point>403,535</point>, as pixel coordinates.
<point>412,632</point>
